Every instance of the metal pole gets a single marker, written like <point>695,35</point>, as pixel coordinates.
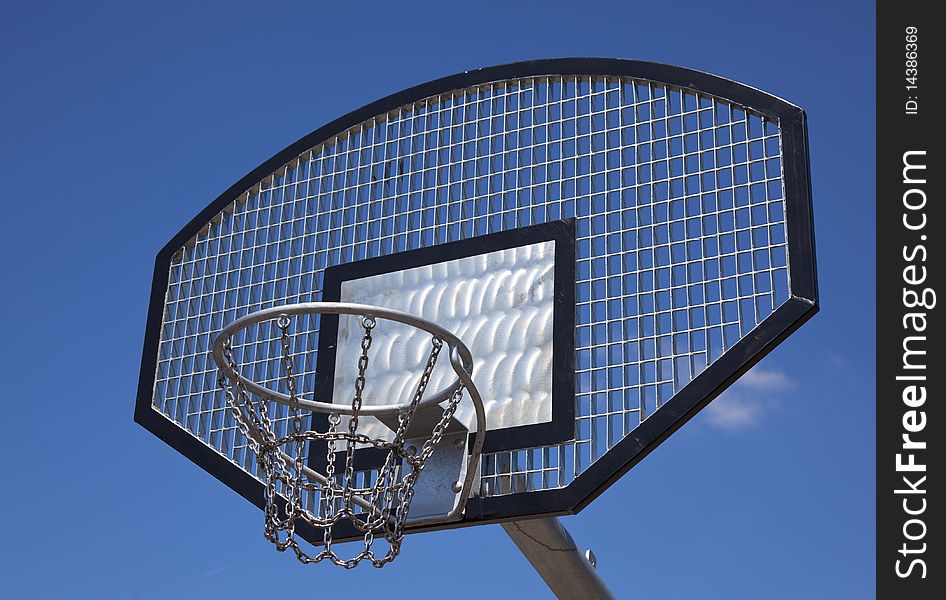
<point>554,555</point>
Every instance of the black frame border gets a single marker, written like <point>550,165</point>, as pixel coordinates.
<point>801,305</point>
<point>562,426</point>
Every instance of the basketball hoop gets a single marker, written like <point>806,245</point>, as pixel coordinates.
<point>377,503</point>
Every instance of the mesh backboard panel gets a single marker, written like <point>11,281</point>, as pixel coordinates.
<point>678,200</point>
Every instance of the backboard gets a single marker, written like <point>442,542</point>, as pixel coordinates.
<point>616,241</point>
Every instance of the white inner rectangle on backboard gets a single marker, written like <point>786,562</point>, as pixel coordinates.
<point>500,304</point>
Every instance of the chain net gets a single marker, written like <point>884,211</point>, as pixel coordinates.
<point>379,509</point>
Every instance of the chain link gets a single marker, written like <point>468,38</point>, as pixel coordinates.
<point>286,486</point>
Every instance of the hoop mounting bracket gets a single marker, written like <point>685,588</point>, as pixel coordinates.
<point>438,494</point>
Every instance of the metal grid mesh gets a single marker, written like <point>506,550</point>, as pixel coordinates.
<point>679,209</point>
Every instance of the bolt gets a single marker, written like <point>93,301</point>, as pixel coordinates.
<point>456,487</point>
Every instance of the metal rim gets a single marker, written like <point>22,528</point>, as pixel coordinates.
<point>344,308</point>
<point>461,359</point>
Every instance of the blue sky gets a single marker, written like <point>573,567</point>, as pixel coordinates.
<point>119,123</point>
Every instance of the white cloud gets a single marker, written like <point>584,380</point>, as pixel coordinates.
<point>760,379</point>
<point>223,569</point>
<point>745,403</point>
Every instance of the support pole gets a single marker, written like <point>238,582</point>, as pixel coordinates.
<point>554,555</point>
